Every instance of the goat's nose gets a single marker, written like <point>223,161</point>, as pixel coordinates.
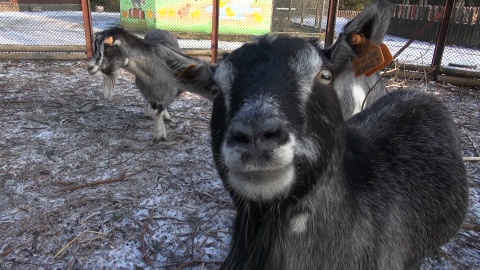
<point>263,133</point>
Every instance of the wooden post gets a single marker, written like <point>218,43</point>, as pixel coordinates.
<point>87,25</point>
<point>332,14</point>
<point>215,19</point>
<point>441,39</point>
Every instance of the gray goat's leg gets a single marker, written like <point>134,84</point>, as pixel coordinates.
<point>159,131</point>
<point>166,115</point>
<point>149,111</point>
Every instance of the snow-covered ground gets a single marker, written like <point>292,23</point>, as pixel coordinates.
<point>66,28</point>
<point>83,187</point>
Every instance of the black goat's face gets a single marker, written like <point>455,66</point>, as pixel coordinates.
<point>273,112</point>
<point>107,56</point>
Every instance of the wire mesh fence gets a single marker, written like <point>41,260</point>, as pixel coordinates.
<point>60,23</point>
<point>53,28</point>
<point>462,39</point>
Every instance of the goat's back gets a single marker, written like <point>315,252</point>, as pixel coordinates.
<point>159,36</point>
<point>406,174</point>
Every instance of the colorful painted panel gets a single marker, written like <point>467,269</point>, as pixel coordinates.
<point>236,16</point>
<point>139,14</point>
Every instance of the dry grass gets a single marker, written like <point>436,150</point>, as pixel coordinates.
<point>83,187</point>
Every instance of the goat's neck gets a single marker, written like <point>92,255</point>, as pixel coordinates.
<point>137,66</point>
<point>253,237</point>
<point>138,63</point>
<point>261,232</point>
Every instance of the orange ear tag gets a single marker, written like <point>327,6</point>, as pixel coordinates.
<point>369,57</point>
<point>108,41</point>
<point>388,59</point>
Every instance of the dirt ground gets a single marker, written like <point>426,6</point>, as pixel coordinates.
<point>82,186</point>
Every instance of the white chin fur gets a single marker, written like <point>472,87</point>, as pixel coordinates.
<point>261,180</point>
<point>262,185</point>
<point>109,85</point>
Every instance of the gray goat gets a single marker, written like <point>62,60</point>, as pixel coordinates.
<point>381,190</point>
<point>354,93</point>
<point>115,48</point>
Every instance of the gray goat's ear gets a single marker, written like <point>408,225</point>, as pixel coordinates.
<point>370,25</point>
<point>198,78</point>
<point>372,22</point>
<point>191,74</point>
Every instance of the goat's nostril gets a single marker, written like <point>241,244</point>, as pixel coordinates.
<point>270,130</point>
<point>269,134</point>
<point>242,136</point>
<point>263,133</point>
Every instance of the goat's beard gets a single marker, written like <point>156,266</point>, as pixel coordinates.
<point>109,86</point>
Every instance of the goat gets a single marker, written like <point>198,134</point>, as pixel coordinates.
<point>354,93</point>
<point>380,190</point>
<point>115,48</point>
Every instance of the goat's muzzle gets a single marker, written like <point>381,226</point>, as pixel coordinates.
<point>256,145</point>
<point>93,69</point>
<point>259,157</point>
<point>259,136</point>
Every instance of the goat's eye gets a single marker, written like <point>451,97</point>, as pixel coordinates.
<point>214,91</point>
<point>325,76</point>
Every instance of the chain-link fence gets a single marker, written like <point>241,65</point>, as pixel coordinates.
<point>59,26</point>
<point>48,27</point>
<point>462,39</point>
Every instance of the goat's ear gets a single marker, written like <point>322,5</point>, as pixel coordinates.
<point>198,78</point>
<point>189,73</point>
<point>372,22</point>
<point>364,34</point>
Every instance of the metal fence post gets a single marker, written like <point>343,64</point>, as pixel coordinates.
<point>330,31</point>
<point>441,39</point>
<point>87,24</point>
<point>215,18</point>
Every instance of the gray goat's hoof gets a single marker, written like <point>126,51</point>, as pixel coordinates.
<point>108,95</point>
<point>158,140</point>
<point>166,116</point>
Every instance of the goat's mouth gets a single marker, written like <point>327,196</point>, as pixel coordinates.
<point>262,185</point>
<point>260,175</point>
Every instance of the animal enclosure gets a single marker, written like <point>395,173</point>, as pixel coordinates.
<point>83,187</point>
